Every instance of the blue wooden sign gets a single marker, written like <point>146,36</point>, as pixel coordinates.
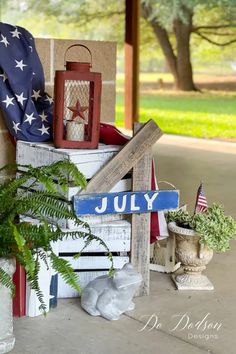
<point>125,202</point>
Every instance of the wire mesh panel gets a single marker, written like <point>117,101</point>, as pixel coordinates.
<point>76,100</point>
<point>76,109</point>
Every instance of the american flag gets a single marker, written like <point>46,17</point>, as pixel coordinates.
<point>26,108</point>
<point>201,202</point>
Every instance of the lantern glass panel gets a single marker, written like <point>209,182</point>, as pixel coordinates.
<point>76,109</point>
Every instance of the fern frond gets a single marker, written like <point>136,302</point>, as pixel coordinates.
<point>67,273</point>
<point>24,249</point>
<point>6,280</point>
<point>33,280</point>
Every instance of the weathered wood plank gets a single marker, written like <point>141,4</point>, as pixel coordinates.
<point>121,186</point>
<point>116,235</point>
<point>126,159</point>
<point>65,291</point>
<point>125,202</point>
<point>140,225</point>
<point>95,262</point>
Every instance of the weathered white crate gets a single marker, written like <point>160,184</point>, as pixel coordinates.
<point>116,235</point>
<point>94,266</point>
<point>114,230</point>
<point>65,291</point>
<point>89,161</point>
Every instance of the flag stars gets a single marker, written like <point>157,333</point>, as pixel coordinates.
<point>29,118</point>
<point>4,76</point>
<point>36,95</point>
<point>8,101</point>
<point>16,127</point>
<point>20,64</point>
<point>43,116</point>
<point>49,99</point>
<point>44,130</point>
<point>16,33</point>
<point>4,41</point>
<point>21,98</point>
<point>31,48</point>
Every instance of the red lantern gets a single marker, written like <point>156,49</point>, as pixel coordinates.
<point>77,100</point>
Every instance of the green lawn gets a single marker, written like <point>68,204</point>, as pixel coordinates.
<point>207,114</point>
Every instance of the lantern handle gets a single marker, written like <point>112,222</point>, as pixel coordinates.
<point>78,45</point>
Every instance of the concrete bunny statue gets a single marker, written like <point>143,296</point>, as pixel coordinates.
<point>109,297</point>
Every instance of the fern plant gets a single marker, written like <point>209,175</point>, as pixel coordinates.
<point>39,193</point>
<point>213,226</point>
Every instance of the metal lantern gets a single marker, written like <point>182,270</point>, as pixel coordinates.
<point>77,97</point>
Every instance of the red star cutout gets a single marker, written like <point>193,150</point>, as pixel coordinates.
<point>78,111</point>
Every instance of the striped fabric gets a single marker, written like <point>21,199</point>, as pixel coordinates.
<point>201,202</point>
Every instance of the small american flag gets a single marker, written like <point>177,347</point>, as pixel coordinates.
<point>201,202</point>
<point>26,108</point>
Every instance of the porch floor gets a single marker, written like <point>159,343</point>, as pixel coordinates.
<point>207,319</point>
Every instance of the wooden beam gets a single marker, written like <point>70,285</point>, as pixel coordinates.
<point>125,160</point>
<point>140,234</point>
<point>131,62</point>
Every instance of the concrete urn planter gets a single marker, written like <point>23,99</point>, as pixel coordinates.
<point>193,257</point>
<point>7,339</point>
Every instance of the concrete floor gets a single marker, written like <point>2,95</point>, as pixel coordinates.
<point>207,320</point>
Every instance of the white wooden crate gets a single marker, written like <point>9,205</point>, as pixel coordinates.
<point>89,161</point>
<point>116,235</point>
<point>114,230</point>
<point>101,264</point>
<point>90,263</point>
<point>65,291</point>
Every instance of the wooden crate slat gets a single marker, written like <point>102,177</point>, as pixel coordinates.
<point>65,291</point>
<point>96,262</point>
<point>121,186</point>
<point>115,234</point>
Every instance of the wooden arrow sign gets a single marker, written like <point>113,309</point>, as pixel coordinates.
<point>125,202</point>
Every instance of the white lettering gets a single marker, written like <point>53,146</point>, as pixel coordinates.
<point>133,207</point>
<point>103,206</point>
<point>150,200</point>
<point>123,206</point>
<point>202,322</point>
<point>183,317</point>
<point>152,322</point>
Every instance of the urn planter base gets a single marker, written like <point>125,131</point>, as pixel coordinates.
<point>7,339</point>
<point>192,282</point>
<point>7,344</point>
<point>193,256</point>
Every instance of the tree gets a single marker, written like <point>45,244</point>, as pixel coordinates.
<point>173,23</point>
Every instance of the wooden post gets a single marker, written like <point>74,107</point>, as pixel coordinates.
<point>132,62</point>
<point>140,234</point>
